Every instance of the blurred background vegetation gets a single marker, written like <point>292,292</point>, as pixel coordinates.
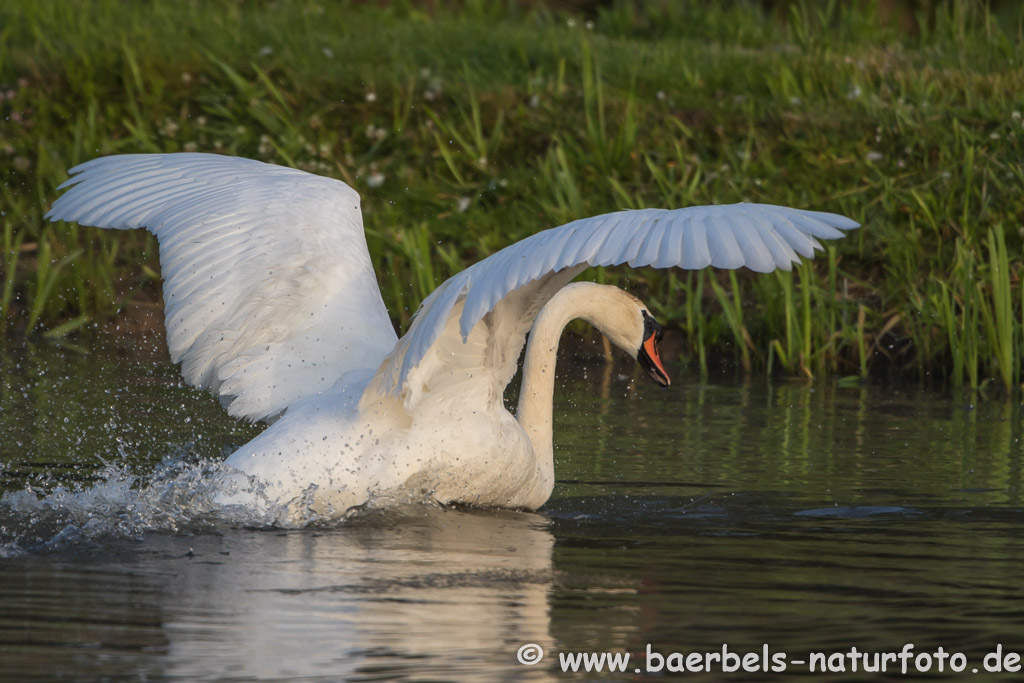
<point>467,126</point>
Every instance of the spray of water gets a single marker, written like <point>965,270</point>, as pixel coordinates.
<point>177,497</point>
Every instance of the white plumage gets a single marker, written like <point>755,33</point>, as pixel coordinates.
<point>271,302</point>
<point>268,288</point>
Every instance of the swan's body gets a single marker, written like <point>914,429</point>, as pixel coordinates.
<point>272,303</point>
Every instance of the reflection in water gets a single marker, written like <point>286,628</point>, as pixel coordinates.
<point>838,446</point>
<point>422,593</point>
<point>463,590</point>
<point>810,517</point>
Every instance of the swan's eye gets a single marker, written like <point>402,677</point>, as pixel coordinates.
<point>652,328</point>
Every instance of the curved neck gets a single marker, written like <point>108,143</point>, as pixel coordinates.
<point>580,300</point>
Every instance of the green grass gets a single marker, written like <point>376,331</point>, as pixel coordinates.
<point>468,129</point>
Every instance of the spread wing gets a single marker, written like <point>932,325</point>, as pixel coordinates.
<point>490,306</point>
<point>269,292</point>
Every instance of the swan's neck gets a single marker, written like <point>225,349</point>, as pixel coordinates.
<point>580,300</point>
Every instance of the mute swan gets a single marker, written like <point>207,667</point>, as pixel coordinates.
<point>272,303</point>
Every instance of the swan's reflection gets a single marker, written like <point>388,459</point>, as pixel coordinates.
<point>425,593</point>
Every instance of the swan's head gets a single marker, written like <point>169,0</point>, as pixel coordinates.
<point>617,314</point>
<point>629,325</point>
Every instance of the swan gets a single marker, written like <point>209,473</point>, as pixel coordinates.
<point>272,303</point>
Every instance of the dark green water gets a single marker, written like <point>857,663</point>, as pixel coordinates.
<point>805,518</point>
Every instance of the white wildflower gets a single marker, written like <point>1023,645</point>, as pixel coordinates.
<point>434,89</point>
<point>169,128</point>
<point>266,147</point>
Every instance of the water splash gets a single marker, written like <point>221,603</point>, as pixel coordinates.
<point>177,497</point>
<point>180,496</point>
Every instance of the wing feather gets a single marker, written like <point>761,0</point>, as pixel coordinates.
<point>725,250</point>
<point>696,251</point>
<point>758,236</point>
<point>670,249</point>
<point>756,254</point>
<point>270,294</point>
<point>636,238</point>
<point>800,241</point>
<point>781,251</point>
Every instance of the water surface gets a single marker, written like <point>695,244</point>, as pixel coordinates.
<point>809,518</point>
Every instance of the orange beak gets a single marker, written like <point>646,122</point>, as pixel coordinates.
<point>650,360</point>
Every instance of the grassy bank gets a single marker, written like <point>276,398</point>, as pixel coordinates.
<point>467,130</point>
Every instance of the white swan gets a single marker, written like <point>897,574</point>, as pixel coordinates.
<point>272,303</point>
